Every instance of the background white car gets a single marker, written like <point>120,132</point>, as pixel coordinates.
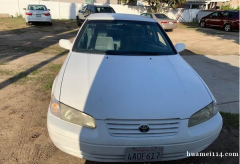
<point>37,13</point>
<point>124,94</point>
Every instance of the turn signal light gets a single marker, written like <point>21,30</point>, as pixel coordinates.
<point>28,13</point>
<point>164,22</point>
<point>47,14</point>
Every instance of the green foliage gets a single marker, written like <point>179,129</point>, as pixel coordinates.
<point>19,15</point>
<point>156,5</point>
<point>229,7</point>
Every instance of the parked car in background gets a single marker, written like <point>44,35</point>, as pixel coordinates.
<point>37,13</point>
<point>90,9</point>
<point>124,94</point>
<point>227,20</point>
<point>163,20</point>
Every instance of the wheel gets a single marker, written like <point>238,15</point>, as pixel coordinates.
<point>227,28</point>
<point>202,24</point>
<point>28,24</point>
<point>78,22</point>
<point>50,23</point>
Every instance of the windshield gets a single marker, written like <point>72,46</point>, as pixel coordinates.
<point>120,37</point>
<point>104,10</point>
<point>161,16</point>
<point>37,7</point>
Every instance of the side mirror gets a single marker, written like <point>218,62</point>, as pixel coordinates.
<point>24,8</point>
<point>64,43</point>
<point>180,47</point>
<point>48,9</point>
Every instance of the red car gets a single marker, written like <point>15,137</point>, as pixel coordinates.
<point>228,20</point>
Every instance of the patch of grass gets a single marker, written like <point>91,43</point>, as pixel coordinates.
<point>48,86</point>
<point>12,23</point>
<point>46,80</point>
<point>6,72</point>
<point>55,67</point>
<point>55,49</point>
<point>193,26</point>
<point>35,72</point>
<point>19,15</point>
<point>230,119</point>
<point>20,78</point>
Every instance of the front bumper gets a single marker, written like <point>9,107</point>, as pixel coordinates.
<point>98,145</point>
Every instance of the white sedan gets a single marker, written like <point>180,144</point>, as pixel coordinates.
<point>124,94</point>
<point>37,13</point>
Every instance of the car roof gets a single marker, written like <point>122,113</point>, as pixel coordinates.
<point>114,16</point>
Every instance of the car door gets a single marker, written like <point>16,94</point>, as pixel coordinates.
<point>225,18</point>
<point>212,19</point>
<point>219,20</point>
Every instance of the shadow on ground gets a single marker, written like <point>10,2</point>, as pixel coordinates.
<point>38,37</point>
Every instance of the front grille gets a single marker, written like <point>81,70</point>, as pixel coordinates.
<point>166,127</point>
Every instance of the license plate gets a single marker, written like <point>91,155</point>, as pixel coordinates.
<point>170,22</point>
<point>38,15</point>
<point>143,154</point>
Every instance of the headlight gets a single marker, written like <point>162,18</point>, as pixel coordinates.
<point>204,114</point>
<point>70,114</point>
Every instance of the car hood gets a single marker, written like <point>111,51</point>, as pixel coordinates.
<point>133,87</point>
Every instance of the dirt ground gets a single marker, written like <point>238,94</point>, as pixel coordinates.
<point>30,58</point>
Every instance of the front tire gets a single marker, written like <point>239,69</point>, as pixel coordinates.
<point>227,28</point>
<point>202,24</point>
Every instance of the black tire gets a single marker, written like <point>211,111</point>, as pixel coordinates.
<point>50,23</point>
<point>202,24</point>
<point>78,22</point>
<point>227,27</point>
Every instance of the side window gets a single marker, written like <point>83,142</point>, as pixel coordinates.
<point>233,15</point>
<point>214,14</point>
<point>225,14</point>
<point>220,14</point>
<point>143,14</point>
<point>149,15</point>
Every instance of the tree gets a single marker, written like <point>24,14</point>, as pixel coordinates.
<point>157,5</point>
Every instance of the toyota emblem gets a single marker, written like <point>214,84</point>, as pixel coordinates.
<point>144,128</point>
